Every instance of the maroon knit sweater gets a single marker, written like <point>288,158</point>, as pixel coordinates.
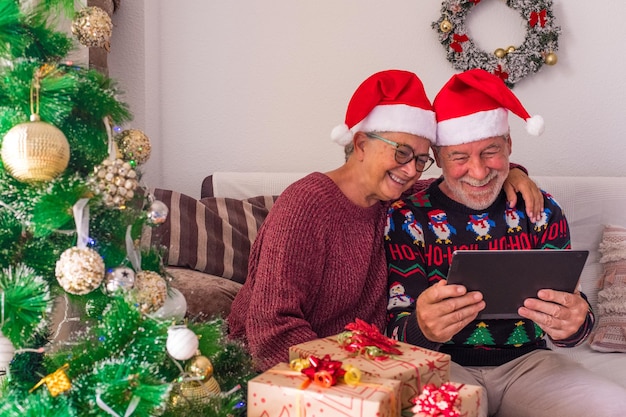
<point>317,264</point>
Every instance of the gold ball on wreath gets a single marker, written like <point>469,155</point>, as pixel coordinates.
<point>500,53</point>
<point>550,58</point>
<point>445,26</point>
<point>510,49</point>
<point>35,151</point>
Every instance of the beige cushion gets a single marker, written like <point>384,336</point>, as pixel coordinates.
<point>610,332</point>
<point>206,295</point>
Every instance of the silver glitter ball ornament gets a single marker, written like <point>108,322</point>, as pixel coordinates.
<point>120,278</point>
<point>157,214</point>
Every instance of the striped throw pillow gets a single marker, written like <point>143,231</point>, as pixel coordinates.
<point>211,235</point>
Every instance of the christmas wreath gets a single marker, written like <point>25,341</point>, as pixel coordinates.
<point>513,63</point>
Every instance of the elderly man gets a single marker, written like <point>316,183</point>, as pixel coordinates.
<point>520,375</point>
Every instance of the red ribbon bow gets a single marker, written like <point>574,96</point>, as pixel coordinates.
<point>366,339</point>
<point>538,17</point>
<point>501,73</point>
<point>324,371</point>
<point>437,402</point>
<point>456,44</point>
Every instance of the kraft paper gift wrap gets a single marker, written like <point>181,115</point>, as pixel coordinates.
<point>283,392</point>
<point>470,397</point>
<point>451,399</point>
<point>414,368</point>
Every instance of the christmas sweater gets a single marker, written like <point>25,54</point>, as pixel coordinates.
<point>421,234</point>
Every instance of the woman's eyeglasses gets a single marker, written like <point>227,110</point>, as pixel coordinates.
<point>404,154</point>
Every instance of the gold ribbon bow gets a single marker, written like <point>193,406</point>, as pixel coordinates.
<point>57,382</point>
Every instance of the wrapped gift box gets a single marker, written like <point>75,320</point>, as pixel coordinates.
<point>282,392</point>
<point>467,404</point>
<point>470,397</point>
<point>415,367</point>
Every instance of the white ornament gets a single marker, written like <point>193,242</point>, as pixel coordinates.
<point>175,306</point>
<point>7,351</point>
<point>182,343</point>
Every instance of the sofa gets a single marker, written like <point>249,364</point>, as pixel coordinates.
<point>208,241</point>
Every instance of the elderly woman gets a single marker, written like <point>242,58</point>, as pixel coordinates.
<point>318,262</point>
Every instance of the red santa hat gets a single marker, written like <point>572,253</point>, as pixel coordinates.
<point>474,105</point>
<point>388,101</point>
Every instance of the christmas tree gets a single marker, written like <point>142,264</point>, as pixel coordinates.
<point>481,336</point>
<point>519,335</point>
<point>72,210</point>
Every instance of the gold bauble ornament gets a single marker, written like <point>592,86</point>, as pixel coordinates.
<point>194,391</point>
<point>150,291</point>
<point>79,271</point>
<point>201,367</point>
<point>133,145</point>
<point>500,53</point>
<point>550,58</point>
<point>35,151</point>
<point>115,180</point>
<point>445,26</point>
<point>93,27</point>
<point>510,49</point>
<point>212,386</point>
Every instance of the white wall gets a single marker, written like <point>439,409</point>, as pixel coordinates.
<point>245,85</point>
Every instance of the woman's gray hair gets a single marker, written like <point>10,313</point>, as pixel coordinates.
<point>348,149</point>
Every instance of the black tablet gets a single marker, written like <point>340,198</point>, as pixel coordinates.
<point>507,277</point>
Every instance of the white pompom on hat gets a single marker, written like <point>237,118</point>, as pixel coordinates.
<point>474,105</point>
<point>388,101</point>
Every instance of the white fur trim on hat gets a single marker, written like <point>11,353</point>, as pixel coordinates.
<point>535,125</point>
<point>473,127</point>
<point>341,134</point>
<point>399,118</point>
<point>391,118</point>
